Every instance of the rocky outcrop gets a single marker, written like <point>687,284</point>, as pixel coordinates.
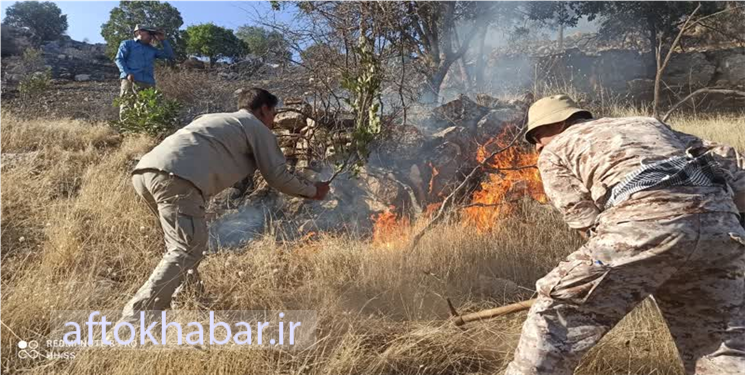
<point>68,60</point>
<point>79,61</point>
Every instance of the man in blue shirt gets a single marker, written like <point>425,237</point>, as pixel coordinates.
<point>136,58</point>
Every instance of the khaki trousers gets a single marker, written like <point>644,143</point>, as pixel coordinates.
<point>180,208</point>
<point>127,88</point>
<point>694,265</point>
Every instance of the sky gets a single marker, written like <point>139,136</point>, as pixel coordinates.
<point>86,17</point>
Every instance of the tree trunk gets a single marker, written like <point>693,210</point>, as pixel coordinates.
<point>462,64</point>
<point>653,42</point>
<point>431,90</point>
<point>481,61</point>
<point>464,74</point>
<point>561,37</point>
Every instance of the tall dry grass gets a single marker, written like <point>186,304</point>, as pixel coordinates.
<point>88,244</point>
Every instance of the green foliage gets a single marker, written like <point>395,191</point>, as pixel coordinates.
<point>123,19</point>
<point>36,83</point>
<point>36,77</point>
<point>213,41</point>
<point>364,87</point>
<point>147,111</point>
<point>270,46</point>
<point>555,13</point>
<point>618,18</point>
<point>44,20</point>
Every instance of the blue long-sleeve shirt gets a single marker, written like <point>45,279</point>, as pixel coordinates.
<point>138,59</point>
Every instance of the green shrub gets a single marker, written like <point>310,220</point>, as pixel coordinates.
<point>36,83</point>
<point>147,111</point>
<point>36,78</point>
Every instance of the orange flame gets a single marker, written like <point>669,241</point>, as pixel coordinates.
<point>435,172</point>
<point>432,208</point>
<point>388,227</point>
<point>499,194</point>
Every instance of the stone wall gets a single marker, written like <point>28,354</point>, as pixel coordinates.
<point>624,73</point>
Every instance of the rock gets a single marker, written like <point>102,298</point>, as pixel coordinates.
<point>61,56</point>
<point>383,188</point>
<point>461,112</point>
<point>487,101</point>
<point>641,89</point>
<point>82,77</point>
<point>689,69</point>
<point>12,77</point>
<point>494,123</point>
<point>732,70</point>
<point>14,41</point>
<point>612,69</point>
<point>290,120</point>
<point>193,63</point>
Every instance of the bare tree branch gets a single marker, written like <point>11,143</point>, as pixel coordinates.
<point>661,67</point>
<point>450,199</point>
<point>699,92</point>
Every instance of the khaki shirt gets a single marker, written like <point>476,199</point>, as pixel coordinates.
<point>582,164</point>
<point>217,150</point>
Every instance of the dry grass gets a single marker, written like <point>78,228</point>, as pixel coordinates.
<point>88,243</point>
<point>199,91</point>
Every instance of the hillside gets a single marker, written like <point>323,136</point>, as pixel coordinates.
<point>75,237</point>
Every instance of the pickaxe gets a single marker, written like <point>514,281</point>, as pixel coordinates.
<point>460,320</point>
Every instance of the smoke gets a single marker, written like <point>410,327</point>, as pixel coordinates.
<point>235,229</point>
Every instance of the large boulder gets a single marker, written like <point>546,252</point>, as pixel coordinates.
<point>614,68</point>
<point>462,112</point>
<point>691,68</point>
<point>290,120</point>
<point>14,41</point>
<point>731,69</point>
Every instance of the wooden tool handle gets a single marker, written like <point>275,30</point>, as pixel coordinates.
<point>492,313</point>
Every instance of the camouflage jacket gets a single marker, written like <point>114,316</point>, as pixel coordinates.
<point>582,164</point>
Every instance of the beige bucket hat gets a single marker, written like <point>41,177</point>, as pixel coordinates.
<point>550,110</point>
<point>148,28</point>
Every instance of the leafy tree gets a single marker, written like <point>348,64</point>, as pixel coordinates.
<point>653,18</point>
<point>44,20</point>
<point>556,15</point>
<point>213,42</point>
<point>269,46</point>
<point>437,33</point>
<point>123,19</point>
<point>319,51</point>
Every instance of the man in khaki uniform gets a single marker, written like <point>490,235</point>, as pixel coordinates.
<point>658,209</point>
<point>179,175</point>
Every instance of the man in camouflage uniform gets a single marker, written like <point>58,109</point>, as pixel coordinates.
<point>660,211</point>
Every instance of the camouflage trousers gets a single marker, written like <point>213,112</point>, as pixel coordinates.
<point>180,208</point>
<point>693,265</point>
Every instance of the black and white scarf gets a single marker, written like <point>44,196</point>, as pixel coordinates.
<point>675,171</point>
